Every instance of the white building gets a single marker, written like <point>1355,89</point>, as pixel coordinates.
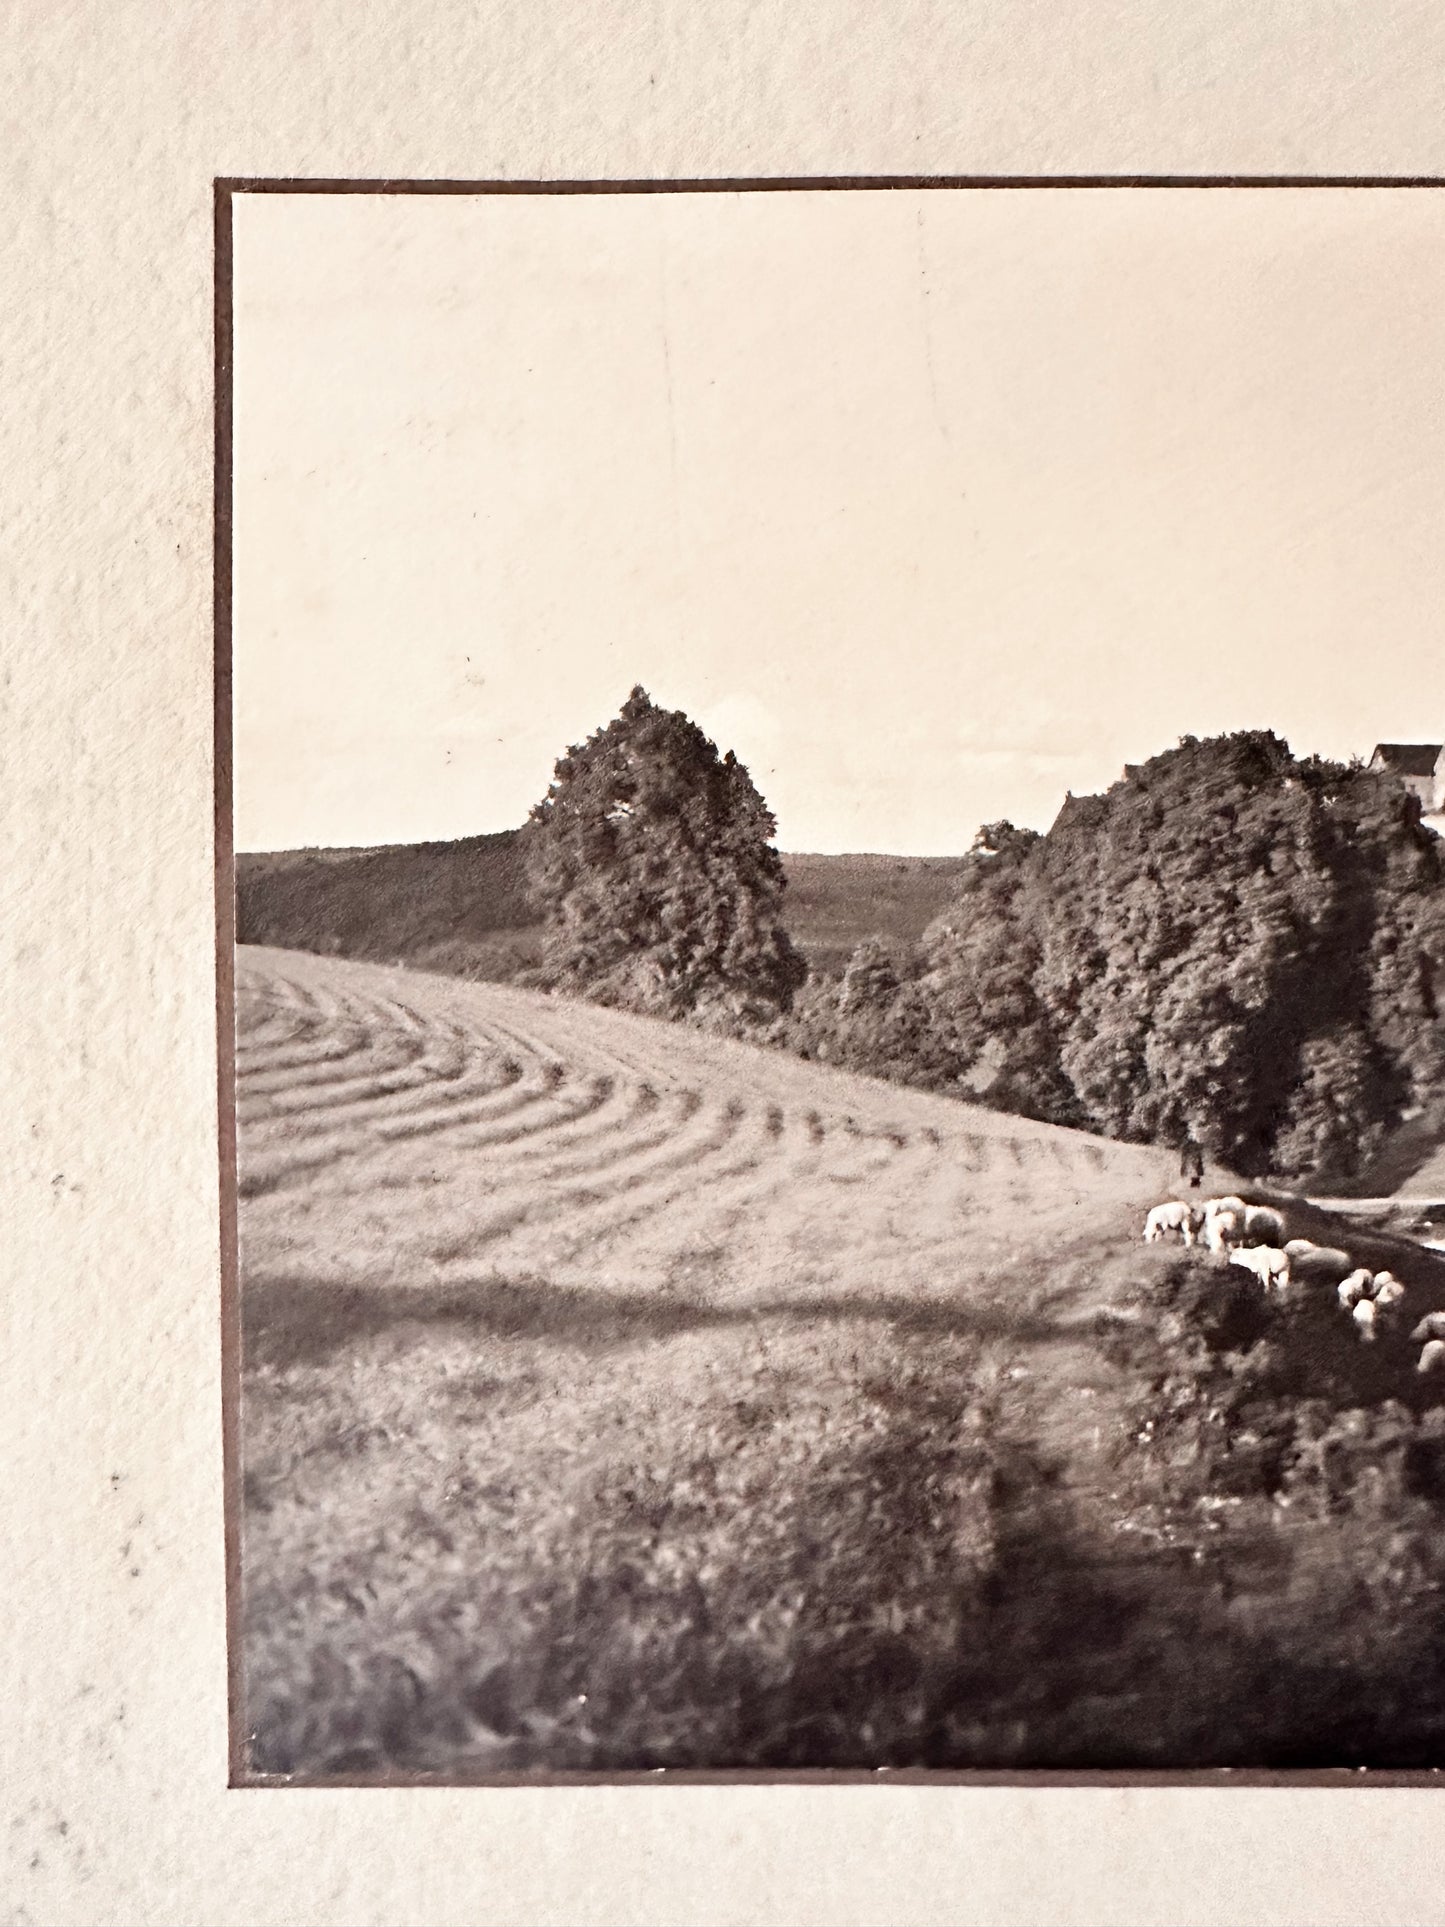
<point>1419,766</point>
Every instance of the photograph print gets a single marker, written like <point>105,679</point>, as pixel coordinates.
<point>833,1119</point>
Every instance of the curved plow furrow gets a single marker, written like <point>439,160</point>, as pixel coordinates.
<point>292,1146</point>
<point>655,1122</point>
<point>727,1242</point>
<point>515,1209</point>
<point>597,1221</point>
<point>701,1134</point>
<point>397,1092</point>
<point>554,1052</point>
<point>621,1112</point>
<point>595,1203</point>
<point>496,1139</point>
<point>268,1024</point>
<point>570,1036</point>
<point>621,1196</point>
<point>452,1120</point>
<point>259,1176</point>
<point>265,1034</point>
<point>364,1072</point>
<point>315,1042</point>
<point>466,1118</point>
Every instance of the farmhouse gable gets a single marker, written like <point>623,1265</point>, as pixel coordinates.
<point>1419,766</point>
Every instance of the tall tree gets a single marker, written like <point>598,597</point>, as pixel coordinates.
<point>651,862</point>
<point>1230,944</point>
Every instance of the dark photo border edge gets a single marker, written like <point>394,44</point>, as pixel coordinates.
<point>225,189</point>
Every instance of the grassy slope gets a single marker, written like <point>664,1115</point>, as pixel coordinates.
<point>436,905</point>
<point>834,902</point>
<point>459,906</point>
<point>1427,1179</point>
<point>616,1396</point>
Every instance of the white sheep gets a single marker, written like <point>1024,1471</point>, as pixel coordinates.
<point>1359,1285</point>
<point>1432,1325</point>
<point>1323,1264</point>
<point>1364,1317</point>
<point>1432,1356</point>
<point>1269,1265</point>
<point>1165,1218</point>
<point>1388,1289</point>
<point>1231,1203</point>
<point>1224,1229</point>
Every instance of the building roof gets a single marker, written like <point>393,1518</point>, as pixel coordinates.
<point>1407,759</point>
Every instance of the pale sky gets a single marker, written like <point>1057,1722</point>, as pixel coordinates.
<point>929,505</point>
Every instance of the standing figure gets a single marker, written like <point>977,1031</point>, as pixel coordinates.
<point>1191,1162</point>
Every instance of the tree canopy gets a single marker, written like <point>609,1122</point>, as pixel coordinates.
<point>1231,944</point>
<point>650,861</point>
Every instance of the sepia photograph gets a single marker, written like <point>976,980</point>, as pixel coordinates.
<point>831,866</point>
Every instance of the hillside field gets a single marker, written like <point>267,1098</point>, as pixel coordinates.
<point>617,1397</point>
<point>834,902</point>
<point>459,908</point>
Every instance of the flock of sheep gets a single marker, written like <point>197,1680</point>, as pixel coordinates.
<point>1252,1236</point>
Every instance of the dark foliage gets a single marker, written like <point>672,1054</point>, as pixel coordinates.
<point>650,862</point>
<point>1307,1473</point>
<point>1232,944</point>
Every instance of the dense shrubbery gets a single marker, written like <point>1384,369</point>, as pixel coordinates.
<point>1231,944</point>
<point>1272,1397</point>
<point>1303,1473</point>
<point>651,862</point>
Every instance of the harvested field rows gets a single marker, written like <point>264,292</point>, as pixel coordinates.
<point>423,1129</point>
<point>613,1394</point>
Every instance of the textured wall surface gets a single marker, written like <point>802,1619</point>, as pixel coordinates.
<point>117,116</point>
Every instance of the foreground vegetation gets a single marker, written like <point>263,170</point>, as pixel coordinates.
<point>855,1544</point>
<point>762,1557</point>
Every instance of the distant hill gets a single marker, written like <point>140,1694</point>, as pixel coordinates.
<point>834,902</point>
<point>459,907</point>
<point>456,907</point>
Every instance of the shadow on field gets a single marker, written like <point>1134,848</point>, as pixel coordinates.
<point>1087,1655</point>
<point>1377,1246</point>
<point>292,1319</point>
<point>998,1632</point>
<point>861,1545</point>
